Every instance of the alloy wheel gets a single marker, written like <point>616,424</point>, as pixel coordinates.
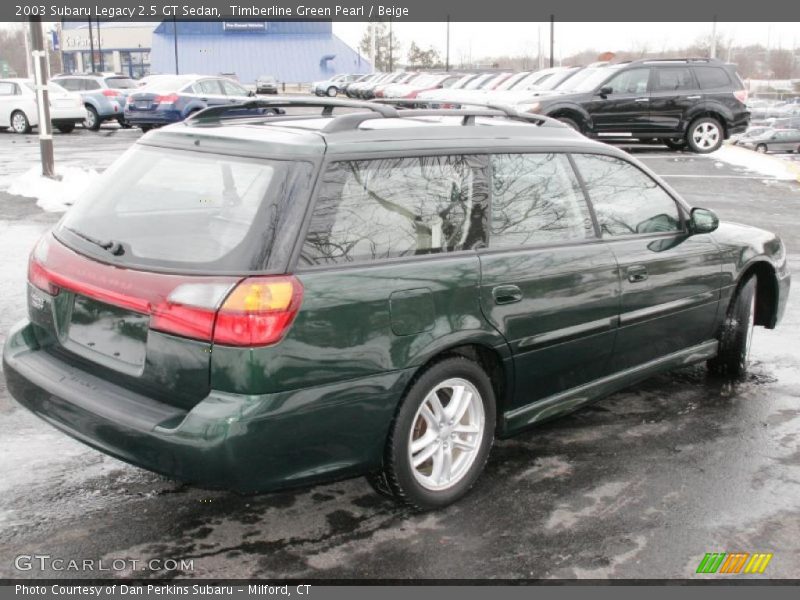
<point>446,434</point>
<point>19,123</point>
<point>706,135</point>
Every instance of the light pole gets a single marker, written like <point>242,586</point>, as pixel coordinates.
<point>175,36</point>
<point>40,72</point>
<point>552,40</point>
<point>447,52</point>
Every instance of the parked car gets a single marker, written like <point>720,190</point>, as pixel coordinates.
<point>773,140</point>
<point>350,89</point>
<point>369,92</point>
<point>171,99</point>
<point>752,132</point>
<point>454,97</point>
<point>19,106</point>
<point>103,96</point>
<point>266,84</point>
<point>683,102</point>
<point>425,82</point>
<point>335,85</point>
<point>208,312</point>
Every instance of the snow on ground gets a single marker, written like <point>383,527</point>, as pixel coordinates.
<point>764,164</point>
<point>53,195</point>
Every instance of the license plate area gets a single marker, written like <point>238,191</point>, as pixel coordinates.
<point>142,105</point>
<point>109,335</point>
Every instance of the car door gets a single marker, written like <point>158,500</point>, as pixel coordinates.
<point>673,92</point>
<point>670,280</point>
<point>210,92</point>
<point>620,106</point>
<point>7,91</point>
<point>548,283</point>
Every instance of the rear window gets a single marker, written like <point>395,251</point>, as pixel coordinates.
<point>120,83</point>
<point>712,77</point>
<point>187,210</point>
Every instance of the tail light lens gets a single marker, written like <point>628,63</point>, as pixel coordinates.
<point>167,99</point>
<point>741,95</point>
<point>111,93</point>
<point>254,311</point>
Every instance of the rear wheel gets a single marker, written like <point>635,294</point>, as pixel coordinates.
<point>705,135</point>
<point>675,143</point>
<point>66,128</point>
<point>571,123</point>
<point>761,148</point>
<point>19,122</point>
<point>92,120</point>
<point>145,128</point>
<point>331,91</point>
<point>441,437</point>
<point>737,333</point>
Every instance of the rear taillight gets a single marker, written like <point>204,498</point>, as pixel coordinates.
<point>254,311</point>
<point>111,93</point>
<point>167,99</point>
<point>741,95</point>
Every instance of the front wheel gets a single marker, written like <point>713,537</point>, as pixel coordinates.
<point>20,122</point>
<point>761,148</point>
<point>737,333</point>
<point>332,91</point>
<point>705,135</point>
<point>441,437</point>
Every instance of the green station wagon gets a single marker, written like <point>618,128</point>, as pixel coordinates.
<point>257,302</point>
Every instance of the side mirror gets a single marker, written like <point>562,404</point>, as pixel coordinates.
<point>605,91</point>
<point>703,220</point>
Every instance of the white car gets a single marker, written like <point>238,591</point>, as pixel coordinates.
<point>456,92</point>
<point>19,109</point>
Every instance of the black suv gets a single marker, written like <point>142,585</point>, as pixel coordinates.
<point>697,102</point>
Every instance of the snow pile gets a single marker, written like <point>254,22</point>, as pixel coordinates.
<point>763,164</point>
<point>53,195</point>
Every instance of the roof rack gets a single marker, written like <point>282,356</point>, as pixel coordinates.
<point>504,109</point>
<point>216,113</point>
<point>372,110</point>
<point>684,60</point>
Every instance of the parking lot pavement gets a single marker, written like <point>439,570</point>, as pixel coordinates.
<point>639,485</point>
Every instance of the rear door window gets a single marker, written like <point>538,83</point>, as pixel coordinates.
<point>536,199</point>
<point>70,83</point>
<point>369,210</point>
<point>712,78</point>
<point>182,209</point>
<point>672,79</point>
<point>626,200</point>
<point>7,88</point>
<point>90,84</point>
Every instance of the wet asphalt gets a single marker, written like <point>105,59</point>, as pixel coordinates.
<point>639,485</point>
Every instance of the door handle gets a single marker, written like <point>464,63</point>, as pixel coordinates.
<point>693,97</point>
<point>636,273</point>
<point>506,294</point>
<point>642,100</point>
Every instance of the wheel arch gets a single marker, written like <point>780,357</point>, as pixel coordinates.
<point>766,291</point>
<point>571,111</point>
<point>711,113</point>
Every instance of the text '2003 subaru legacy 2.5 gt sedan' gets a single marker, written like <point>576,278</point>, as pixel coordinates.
<point>262,302</point>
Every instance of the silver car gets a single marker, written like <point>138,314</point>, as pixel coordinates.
<point>774,140</point>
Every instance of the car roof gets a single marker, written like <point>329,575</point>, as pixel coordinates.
<point>299,136</point>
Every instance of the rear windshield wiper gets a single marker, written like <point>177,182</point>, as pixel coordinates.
<point>111,246</point>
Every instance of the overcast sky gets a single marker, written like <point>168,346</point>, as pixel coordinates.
<point>493,39</point>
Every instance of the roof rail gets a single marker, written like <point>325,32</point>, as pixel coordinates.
<point>353,120</point>
<point>504,110</point>
<point>684,59</point>
<point>235,111</point>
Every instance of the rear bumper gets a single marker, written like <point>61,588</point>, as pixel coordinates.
<point>154,117</point>
<point>242,442</point>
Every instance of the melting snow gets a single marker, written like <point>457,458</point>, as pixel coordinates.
<point>764,164</point>
<point>53,195</point>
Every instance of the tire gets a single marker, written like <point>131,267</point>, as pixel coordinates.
<point>67,128</point>
<point>761,148</point>
<point>737,333</point>
<point>675,143</point>
<point>331,91</point>
<point>92,120</point>
<point>571,123</point>
<point>705,135</point>
<point>416,420</point>
<point>20,123</point>
<point>145,128</point>
<point>124,124</point>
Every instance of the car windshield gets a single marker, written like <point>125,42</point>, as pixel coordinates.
<point>188,210</point>
<point>512,81</point>
<point>51,85</point>
<point>587,80</point>
<point>120,83</point>
<point>557,79</point>
<point>267,78</point>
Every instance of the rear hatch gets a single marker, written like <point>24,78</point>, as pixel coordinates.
<point>134,284</point>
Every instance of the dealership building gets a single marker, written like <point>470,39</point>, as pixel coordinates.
<point>292,51</point>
